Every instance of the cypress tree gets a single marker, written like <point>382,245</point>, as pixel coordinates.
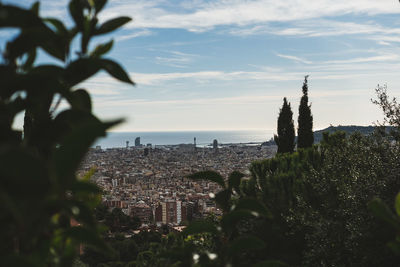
<point>305,120</point>
<point>285,137</point>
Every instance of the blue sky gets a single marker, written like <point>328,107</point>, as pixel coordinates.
<point>227,64</point>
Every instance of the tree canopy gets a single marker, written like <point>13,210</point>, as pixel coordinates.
<point>286,134</point>
<point>305,135</point>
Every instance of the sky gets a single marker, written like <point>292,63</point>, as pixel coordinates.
<point>227,64</point>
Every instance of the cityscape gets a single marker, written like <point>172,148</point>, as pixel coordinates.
<point>134,133</point>
<point>150,182</point>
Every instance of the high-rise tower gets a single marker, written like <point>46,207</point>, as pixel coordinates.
<point>215,145</point>
<point>137,141</point>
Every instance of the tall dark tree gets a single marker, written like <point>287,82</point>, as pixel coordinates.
<point>285,137</point>
<point>305,120</point>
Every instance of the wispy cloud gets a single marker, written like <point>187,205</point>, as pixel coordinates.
<point>375,62</point>
<point>104,85</point>
<point>134,34</point>
<point>200,16</point>
<point>322,28</point>
<point>248,17</point>
<point>295,58</point>
<point>233,100</point>
<point>146,79</point>
<point>176,59</point>
<point>381,58</point>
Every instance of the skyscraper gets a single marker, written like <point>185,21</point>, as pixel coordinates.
<point>137,141</point>
<point>215,144</point>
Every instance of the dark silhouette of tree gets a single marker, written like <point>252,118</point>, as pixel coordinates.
<point>117,220</point>
<point>285,137</point>
<point>101,212</point>
<point>305,120</point>
<point>391,111</point>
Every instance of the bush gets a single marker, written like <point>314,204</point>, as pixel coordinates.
<point>47,213</point>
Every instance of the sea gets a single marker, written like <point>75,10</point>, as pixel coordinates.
<point>203,138</point>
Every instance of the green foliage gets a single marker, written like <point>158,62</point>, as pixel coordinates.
<point>305,131</point>
<point>40,192</point>
<point>117,221</point>
<point>318,200</point>
<point>270,264</point>
<point>232,244</point>
<point>338,226</point>
<point>208,175</point>
<point>148,249</point>
<point>391,111</point>
<point>390,107</point>
<point>124,250</point>
<point>285,137</point>
<point>349,130</point>
<point>277,184</point>
<point>381,211</point>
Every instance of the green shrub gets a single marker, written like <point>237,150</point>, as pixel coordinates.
<point>39,190</point>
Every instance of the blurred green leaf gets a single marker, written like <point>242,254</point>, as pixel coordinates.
<point>245,243</point>
<point>85,186</point>
<point>397,204</point>
<point>10,207</point>
<point>253,205</point>
<point>58,25</point>
<point>112,25</point>
<point>76,12</point>
<point>197,227</point>
<point>12,16</point>
<point>102,49</point>
<point>30,59</point>
<point>19,167</point>
<point>86,236</point>
<point>81,69</point>
<point>35,8</point>
<point>115,70</point>
<point>47,77</point>
<point>270,263</point>
<point>74,147</point>
<point>86,177</point>
<point>209,176</point>
<point>80,99</point>
<point>17,260</point>
<point>230,220</point>
<point>82,213</point>
<point>37,37</point>
<point>395,246</point>
<point>70,119</point>
<point>234,180</point>
<point>380,210</point>
<point>88,26</point>
<point>99,4</point>
<point>222,198</point>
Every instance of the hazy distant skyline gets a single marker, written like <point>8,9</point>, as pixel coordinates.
<point>227,64</point>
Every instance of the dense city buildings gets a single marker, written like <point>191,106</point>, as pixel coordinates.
<point>149,182</point>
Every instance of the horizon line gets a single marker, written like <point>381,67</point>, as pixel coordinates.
<point>223,130</point>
